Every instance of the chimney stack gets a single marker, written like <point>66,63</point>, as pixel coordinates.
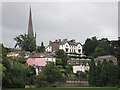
<point>59,40</point>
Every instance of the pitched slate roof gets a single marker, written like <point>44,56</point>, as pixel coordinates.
<point>104,56</point>
<point>62,43</point>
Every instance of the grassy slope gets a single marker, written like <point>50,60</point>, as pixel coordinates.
<point>68,88</point>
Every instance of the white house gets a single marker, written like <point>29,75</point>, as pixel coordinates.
<point>80,64</point>
<point>49,48</point>
<point>71,47</point>
<point>78,68</point>
<point>48,60</point>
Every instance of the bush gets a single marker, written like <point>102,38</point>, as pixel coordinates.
<point>81,74</point>
<point>41,80</point>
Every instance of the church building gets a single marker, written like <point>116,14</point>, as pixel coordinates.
<point>30,27</point>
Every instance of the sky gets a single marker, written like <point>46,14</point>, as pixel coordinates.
<point>60,20</point>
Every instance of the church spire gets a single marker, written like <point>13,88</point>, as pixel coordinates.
<point>30,27</point>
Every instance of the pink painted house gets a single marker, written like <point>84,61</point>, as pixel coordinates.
<point>36,61</point>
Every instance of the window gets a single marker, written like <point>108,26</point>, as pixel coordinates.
<point>79,50</point>
<point>66,49</point>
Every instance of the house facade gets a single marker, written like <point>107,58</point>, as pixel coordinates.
<point>80,65</point>
<point>71,47</point>
<point>49,48</point>
<point>49,59</point>
<point>40,62</point>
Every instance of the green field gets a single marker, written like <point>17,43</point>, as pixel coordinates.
<point>67,88</point>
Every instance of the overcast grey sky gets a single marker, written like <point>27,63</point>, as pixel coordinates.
<point>60,20</point>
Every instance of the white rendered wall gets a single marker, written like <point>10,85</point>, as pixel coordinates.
<point>49,49</point>
<point>78,68</point>
<point>50,60</point>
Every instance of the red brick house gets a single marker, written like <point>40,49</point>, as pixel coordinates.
<point>108,58</point>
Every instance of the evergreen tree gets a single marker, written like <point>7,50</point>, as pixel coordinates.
<point>98,74</point>
<point>104,73</point>
<point>92,73</point>
<point>87,47</point>
<point>112,74</point>
<point>41,48</point>
<point>90,45</point>
<point>42,44</point>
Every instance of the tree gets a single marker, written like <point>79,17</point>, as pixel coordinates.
<point>98,74</point>
<point>58,61</point>
<point>81,74</point>
<point>52,73</point>
<point>29,75</point>
<point>17,75</point>
<point>92,73</point>
<point>41,80</point>
<point>112,73</point>
<point>18,79</point>
<point>49,75</point>
<point>41,48</point>
<point>69,68</point>
<point>103,48</point>
<point>62,55</point>
<point>9,49</point>
<point>2,74</point>
<point>22,57</point>
<point>3,52</point>
<point>87,47</point>
<point>90,45</point>
<point>99,52</point>
<point>25,42</point>
<point>6,81</point>
<point>113,48</point>
<point>95,48</point>
<point>104,73</point>
<point>42,44</point>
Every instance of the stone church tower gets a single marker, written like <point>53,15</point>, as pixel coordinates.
<point>30,27</point>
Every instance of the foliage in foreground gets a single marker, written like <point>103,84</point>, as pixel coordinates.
<point>17,75</point>
<point>50,74</point>
<point>103,75</point>
<point>69,88</point>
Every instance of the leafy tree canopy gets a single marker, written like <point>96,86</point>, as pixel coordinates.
<point>41,48</point>
<point>63,56</point>
<point>25,42</point>
<point>3,52</point>
<point>50,74</point>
